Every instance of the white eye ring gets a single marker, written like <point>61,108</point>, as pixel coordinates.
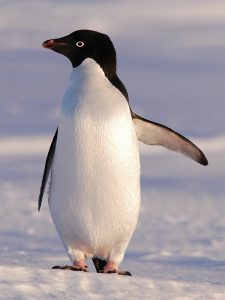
<point>80,44</point>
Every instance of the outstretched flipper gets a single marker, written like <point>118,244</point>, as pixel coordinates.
<point>48,164</point>
<point>152,133</point>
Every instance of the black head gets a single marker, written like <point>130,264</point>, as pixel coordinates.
<point>83,44</point>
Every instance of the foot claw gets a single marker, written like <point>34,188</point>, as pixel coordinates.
<point>72,268</point>
<point>124,273</point>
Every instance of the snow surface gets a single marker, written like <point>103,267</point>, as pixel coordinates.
<point>177,251</point>
<point>171,59</point>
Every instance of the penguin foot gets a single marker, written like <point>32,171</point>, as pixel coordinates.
<point>110,271</point>
<point>102,266</point>
<point>83,268</point>
<point>124,273</point>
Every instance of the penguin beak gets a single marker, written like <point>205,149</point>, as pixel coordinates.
<point>60,46</point>
<point>49,44</point>
<point>52,44</point>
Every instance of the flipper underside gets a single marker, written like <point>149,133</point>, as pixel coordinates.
<point>152,133</point>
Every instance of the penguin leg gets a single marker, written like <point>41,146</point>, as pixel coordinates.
<point>102,266</point>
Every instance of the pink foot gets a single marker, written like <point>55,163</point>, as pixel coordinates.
<point>111,267</point>
<point>77,266</point>
<point>72,268</point>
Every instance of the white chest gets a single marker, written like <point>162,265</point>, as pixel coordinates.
<point>95,174</point>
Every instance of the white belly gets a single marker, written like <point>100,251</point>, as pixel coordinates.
<point>94,194</point>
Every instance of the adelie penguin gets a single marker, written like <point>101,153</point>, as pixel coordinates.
<point>94,194</point>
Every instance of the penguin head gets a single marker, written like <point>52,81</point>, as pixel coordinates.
<point>82,44</point>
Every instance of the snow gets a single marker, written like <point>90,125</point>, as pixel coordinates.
<point>171,59</point>
<point>177,251</point>
<point>42,284</point>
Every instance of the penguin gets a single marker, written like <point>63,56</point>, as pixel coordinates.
<point>94,196</point>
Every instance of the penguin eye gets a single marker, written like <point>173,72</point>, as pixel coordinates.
<point>80,44</point>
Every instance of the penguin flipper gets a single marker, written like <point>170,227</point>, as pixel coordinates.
<point>48,164</point>
<point>152,133</point>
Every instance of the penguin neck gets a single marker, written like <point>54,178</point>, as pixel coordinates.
<point>89,68</point>
<point>85,81</point>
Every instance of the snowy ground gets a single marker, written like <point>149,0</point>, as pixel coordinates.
<point>171,59</point>
<point>177,251</point>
